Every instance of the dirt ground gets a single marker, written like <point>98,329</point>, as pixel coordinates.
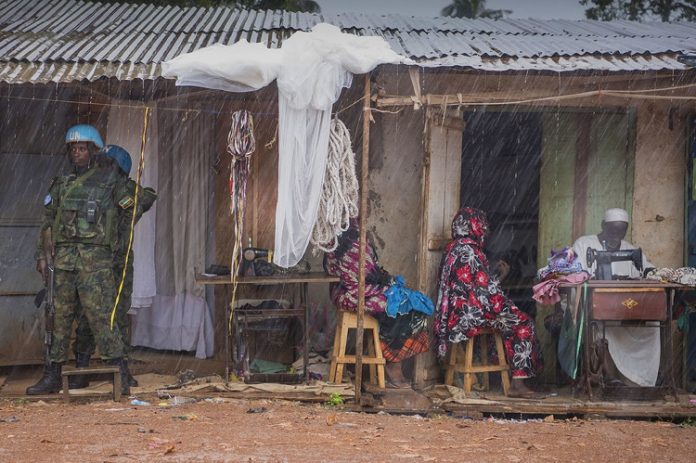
<point>228,430</point>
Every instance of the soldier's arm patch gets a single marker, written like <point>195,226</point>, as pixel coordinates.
<point>126,203</point>
<point>48,199</point>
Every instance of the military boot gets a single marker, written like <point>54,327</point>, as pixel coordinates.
<point>132,382</point>
<point>123,367</point>
<point>80,381</point>
<point>50,382</point>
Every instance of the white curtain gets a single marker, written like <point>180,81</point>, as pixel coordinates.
<point>125,130</point>
<point>172,311</point>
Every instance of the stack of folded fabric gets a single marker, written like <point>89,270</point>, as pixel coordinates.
<point>562,267</point>
<point>683,276</point>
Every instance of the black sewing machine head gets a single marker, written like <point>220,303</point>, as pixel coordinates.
<point>257,262</point>
<point>605,258</point>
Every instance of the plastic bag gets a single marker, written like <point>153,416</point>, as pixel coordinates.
<point>402,300</point>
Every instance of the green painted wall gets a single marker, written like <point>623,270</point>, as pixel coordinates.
<point>610,169</point>
<point>556,193</point>
<point>609,184</point>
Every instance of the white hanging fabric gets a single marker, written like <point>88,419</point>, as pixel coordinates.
<point>311,69</point>
<point>125,129</point>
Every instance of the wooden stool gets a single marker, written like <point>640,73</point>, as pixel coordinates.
<point>469,369</point>
<point>349,321</point>
<point>115,371</point>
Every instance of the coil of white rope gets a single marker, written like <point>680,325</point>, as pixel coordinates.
<point>339,198</point>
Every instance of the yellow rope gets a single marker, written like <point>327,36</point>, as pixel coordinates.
<point>235,266</point>
<point>141,166</point>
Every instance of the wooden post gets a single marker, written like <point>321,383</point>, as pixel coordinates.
<point>419,367</point>
<point>364,188</point>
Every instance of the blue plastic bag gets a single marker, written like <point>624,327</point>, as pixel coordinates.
<point>401,300</point>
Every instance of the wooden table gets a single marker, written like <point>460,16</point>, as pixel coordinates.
<point>622,286</point>
<point>302,279</point>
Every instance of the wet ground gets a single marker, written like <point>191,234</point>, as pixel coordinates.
<point>232,430</point>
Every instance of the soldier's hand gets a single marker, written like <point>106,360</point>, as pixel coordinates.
<point>42,268</point>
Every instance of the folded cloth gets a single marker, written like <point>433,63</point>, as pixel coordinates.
<point>401,300</point>
<point>560,262</point>
<point>683,275</point>
<point>546,292</point>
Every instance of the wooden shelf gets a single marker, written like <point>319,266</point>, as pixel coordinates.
<point>313,277</point>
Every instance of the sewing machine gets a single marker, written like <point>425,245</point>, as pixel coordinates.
<point>604,259</point>
<point>257,262</point>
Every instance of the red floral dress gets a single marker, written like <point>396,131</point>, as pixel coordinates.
<point>470,298</point>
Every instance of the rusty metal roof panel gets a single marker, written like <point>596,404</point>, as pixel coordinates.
<point>560,64</point>
<point>157,21</point>
<point>24,14</point>
<point>246,19</point>
<point>64,36</point>
<point>43,73</point>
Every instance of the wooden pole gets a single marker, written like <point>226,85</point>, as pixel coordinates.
<point>418,362</point>
<point>364,188</point>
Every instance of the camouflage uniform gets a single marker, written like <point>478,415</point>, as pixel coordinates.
<point>83,258</point>
<point>84,340</point>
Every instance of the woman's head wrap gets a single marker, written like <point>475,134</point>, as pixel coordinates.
<point>470,223</point>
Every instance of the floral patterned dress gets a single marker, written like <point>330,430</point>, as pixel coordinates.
<point>470,298</point>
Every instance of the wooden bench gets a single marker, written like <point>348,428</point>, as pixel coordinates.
<point>115,371</point>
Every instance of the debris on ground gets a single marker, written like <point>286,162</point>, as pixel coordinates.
<point>185,376</point>
<point>181,400</point>
<point>257,410</point>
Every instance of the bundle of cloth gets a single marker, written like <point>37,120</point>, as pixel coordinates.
<point>563,267</point>
<point>683,276</point>
<point>560,263</point>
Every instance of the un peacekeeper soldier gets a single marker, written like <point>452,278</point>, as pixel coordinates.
<point>84,341</point>
<point>81,214</point>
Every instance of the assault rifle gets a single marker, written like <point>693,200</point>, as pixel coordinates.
<point>45,298</point>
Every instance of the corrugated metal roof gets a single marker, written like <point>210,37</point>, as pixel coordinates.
<point>63,40</point>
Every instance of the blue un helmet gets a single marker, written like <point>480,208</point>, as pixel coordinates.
<point>86,133</point>
<point>121,156</point>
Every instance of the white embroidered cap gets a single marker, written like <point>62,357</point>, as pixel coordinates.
<point>616,215</point>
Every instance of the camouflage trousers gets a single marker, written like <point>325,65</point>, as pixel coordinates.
<point>84,337</point>
<point>90,293</point>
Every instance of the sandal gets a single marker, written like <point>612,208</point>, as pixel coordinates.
<point>394,385</point>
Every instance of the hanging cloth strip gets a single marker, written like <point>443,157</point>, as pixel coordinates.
<point>339,196</point>
<point>241,143</point>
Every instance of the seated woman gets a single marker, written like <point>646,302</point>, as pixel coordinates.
<point>470,298</point>
<point>401,337</point>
